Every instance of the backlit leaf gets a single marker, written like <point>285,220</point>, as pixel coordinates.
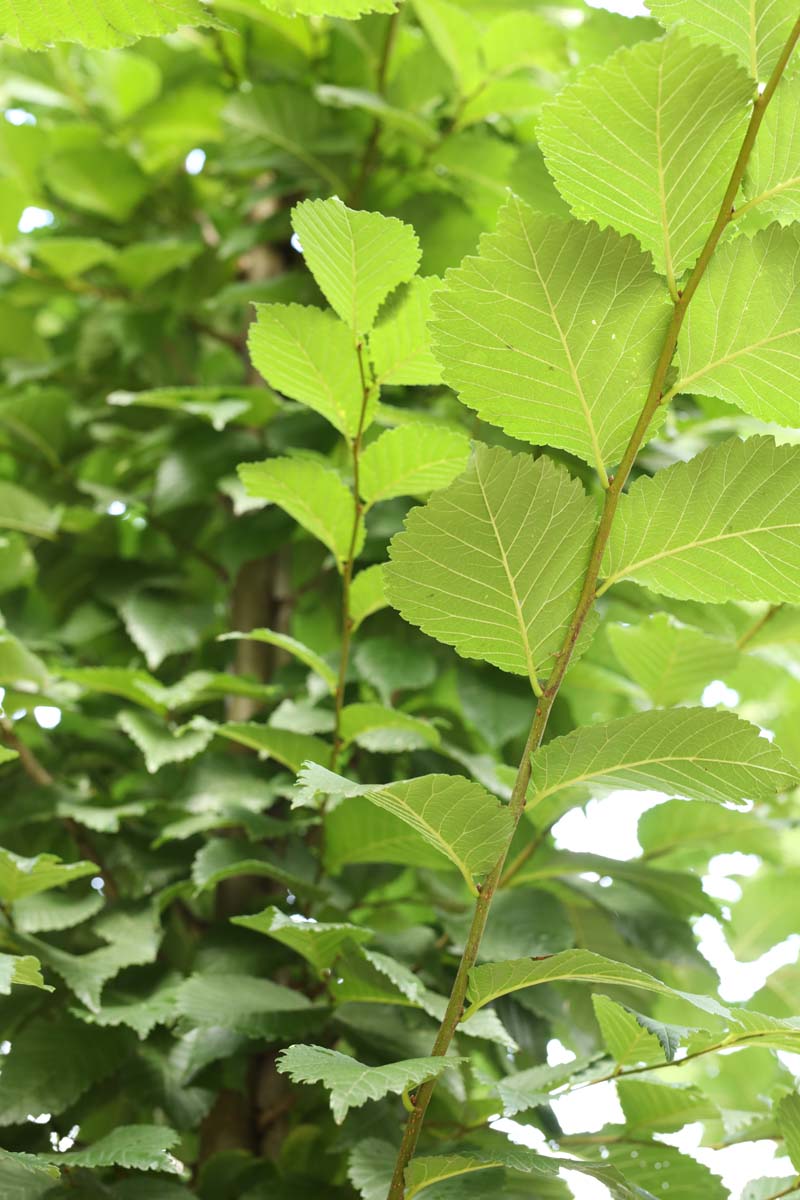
<point>657,165</point>
<point>411,460</point>
<point>724,526</point>
<point>552,332</point>
<point>492,565</point>
<point>356,257</point>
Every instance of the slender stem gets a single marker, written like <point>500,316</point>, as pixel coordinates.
<point>347,569</point>
<point>757,626</point>
<point>585,602</point>
<point>368,157</point>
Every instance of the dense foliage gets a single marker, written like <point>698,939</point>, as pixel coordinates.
<point>318,616</point>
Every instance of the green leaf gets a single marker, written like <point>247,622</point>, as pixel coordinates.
<point>22,1177</point>
<point>367,594</point>
<point>102,24</point>
<point>661,1107</point>
<point>305,654</point>
<point>255,1008</point>
<point>488,982</point>
<point>218,405</point>
<point>350,1082</point>
<point>162,627</point>
<point>696,753</point>
<point>553,332</point>
<point>69,257</point>
<point>229,858</point>
<point>788,1114</point>
<point>400,343</point>
<point>136,1147</point>
<point>720,527</point>
<point>48,911</point>
<point>658,165</point>
<point>358,832</point>
<point>308,354</point>
<point>523,1090</point>
<point>138,686</point>
<point>320,943</point>
<point>289,749</point>
<point>24,970</point>
<point>688,1178</point>
<point>411,460</point>
<point>385,730</point>
<point>766,913</point>
<point>690,833</point>
<point>493,564</point>
<point>52,1063</point>
<point>748,362</point>
<point>98,179</point>
<point>458,818</point>
<point>771,185</point>
<point>755,31</point>
<point>132,935</point>
<point>347,10</point>
<point>21,510</point>
<point>672,662</point>
<point>161,743</point>
<point>632,1039</point>
<point>141,1005</point>
<point>312,495</point>
<point>25,876</point>
<point>19,666</point>
<point>356,257</point>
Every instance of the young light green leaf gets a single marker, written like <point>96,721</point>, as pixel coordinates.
<point>696,753</point>
<point>288,748</point>
<point>367,594</point>
<point>788,1114</point>
<point>741,339</point>
<point>656,166</point>
<point>137,686</point>
<point>755,31</point>
<point>721,527</point>
<point>553,332</point>
<point>312,495</point>
<point>356,257</point>
<point>771,183</point>
<point>305,654</point>
<point>350,1082</point>
<point>101,24</point>
<point>319,942</point>
<point>493,564</point>
<point>458,818</point>
<point>26,876</point>
<point>672,662</point>
<point>20,969</point>
<point>161,743</point>
<point>45,912</point>
<point>308,354</point>
<point>527,1089</point>
<point>400,343</point>
<point>71,256</point>
<point>137,1147</point>
<point>411,460</point>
